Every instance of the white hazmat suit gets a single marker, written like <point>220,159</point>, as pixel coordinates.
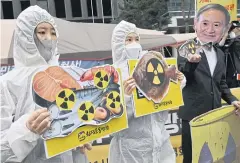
<point>146,140</point>
<point>18,143</point>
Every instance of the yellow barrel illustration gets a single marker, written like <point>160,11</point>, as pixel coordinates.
<point>216,136</point>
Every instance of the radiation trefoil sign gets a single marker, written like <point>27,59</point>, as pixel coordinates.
<point>84,105</point>
<point>157,86</point>
<point>216,136</point>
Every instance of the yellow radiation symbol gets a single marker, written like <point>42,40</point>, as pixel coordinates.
<point>155,72</point>
<point>66,99</point>
<point>192,48</point>
<point>86,111</point>
<point>101,79</point>
<point>113,100</point>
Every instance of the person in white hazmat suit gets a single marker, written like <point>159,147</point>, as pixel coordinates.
<point>146,140</point>
<point>22,121</point>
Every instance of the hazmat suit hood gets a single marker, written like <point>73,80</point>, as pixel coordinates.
<point>119,51</point>
<point>120,32</point>
<point>25,51</point>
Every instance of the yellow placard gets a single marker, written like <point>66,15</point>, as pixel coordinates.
<point>98,154</point>
<point>86,134</point>
<point>235,92</point>
<point>177,146</point>
<point>216,136</point>
<point>173,99</point>
<point>230,5</point>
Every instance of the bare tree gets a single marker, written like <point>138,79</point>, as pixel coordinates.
<point>186,19</point>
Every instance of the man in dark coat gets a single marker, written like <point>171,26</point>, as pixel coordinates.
<point>230,44</point>
<point>204,71</point>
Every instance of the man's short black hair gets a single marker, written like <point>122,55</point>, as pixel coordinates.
<point>215,7</point>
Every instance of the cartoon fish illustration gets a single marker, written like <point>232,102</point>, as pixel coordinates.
<point>110,70</point>
<point>49,82</point>
<point>153,75</point>
<point>189,48</point>
<point>72,103</point>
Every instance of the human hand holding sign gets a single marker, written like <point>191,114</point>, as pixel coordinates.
<point>180,75</point>
<point>129,86</point>
<point>236,104</point>
<point>194,58</point>
<point>83,148</point>
<point>39,121</point>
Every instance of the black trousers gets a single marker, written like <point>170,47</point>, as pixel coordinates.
<point>186,142</point>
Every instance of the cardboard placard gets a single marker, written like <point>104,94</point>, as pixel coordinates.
<point>170,98</point>
<point>84,105</point>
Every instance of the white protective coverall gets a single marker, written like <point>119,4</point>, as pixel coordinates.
<point>18,143</point>
<point>146,140</point>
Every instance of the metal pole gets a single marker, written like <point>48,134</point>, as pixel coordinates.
<point>16,8</point>
<point>2,16</point>
<point>51,7</point>
<point>102,12</point>
<point>33,2</point>
<point>112,10</point>
<point>195,7</point>
<point>92,11</point>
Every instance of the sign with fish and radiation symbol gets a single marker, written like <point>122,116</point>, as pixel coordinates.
<point>157,86</point>
<point>84,105</point>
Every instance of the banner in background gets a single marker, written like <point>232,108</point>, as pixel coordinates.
<point>230,5</point>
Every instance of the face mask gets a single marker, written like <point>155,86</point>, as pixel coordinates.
<point>46,48</point>
<point>133,50</point>
<point>232,35</point>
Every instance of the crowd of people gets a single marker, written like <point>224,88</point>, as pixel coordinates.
<point>205,78</point>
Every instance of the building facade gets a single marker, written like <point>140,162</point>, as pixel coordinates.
<point>100,11</point>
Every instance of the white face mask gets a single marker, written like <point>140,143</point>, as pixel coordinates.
<point>232,35</point>
<point>133,50</point>
<point>46,48</point>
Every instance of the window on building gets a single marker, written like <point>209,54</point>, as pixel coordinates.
<point>25,4</point>
<point>179,4</point>
<point>7,9</point>
<point>76,8</point>
<point>60,9</point>
<point>90,6</point>
<point>173,4</point>
<point>107,7</point>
